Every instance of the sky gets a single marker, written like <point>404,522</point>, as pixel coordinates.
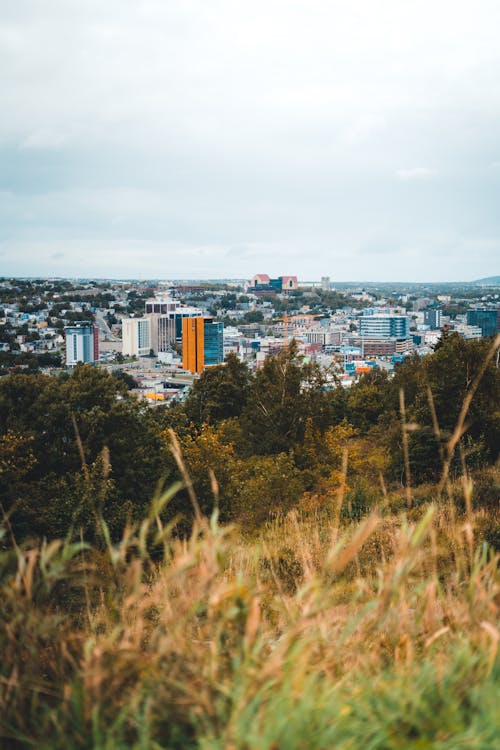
<point>218,138</point>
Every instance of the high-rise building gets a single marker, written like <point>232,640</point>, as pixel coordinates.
<point>166,316</point>
<point>159,329</point>
<point>82,343</point>
<point>432,318</point>
<point>202,343</point>
<point>384,326</point>
<point>160,305</point>
<point>488,320</point>
<point>136,337</point>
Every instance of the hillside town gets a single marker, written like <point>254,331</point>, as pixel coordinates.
<point>162,334</point>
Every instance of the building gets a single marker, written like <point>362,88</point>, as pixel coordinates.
<point>136,337</point>
<point>486,318</point>
<point>166,316</point>
<point>160,305</point>
<point>82,343</point>
<point>175,324</point>
<point>433,319</point>
<point>377,347</point>
<point>323,336</point>
<point>384,326</point>
<point>262,282</point>
<point>383,334</point>
<point>468,331</point>
<point>202,343</point>
<point>159,330</point>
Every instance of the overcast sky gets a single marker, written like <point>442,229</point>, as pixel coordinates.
<point>358,139</point>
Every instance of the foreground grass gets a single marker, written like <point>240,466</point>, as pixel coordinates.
<point>378,635</point>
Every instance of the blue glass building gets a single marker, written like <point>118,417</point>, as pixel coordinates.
<point>487,319</point>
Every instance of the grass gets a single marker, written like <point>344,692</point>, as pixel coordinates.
<point>319,632</point>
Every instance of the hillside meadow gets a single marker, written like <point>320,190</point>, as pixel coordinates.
<point>331,586</point>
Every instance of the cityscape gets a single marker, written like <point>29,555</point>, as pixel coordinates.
<point>158,331</point>
<point>249,375</point>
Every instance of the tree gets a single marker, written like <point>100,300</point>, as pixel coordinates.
<point>254,316</point>
<point>283,396</point>
<point>70,421</point>
<point>206,455</point>
<point>449,374</point>
<point>369,399</point>
<point>435,389</point>
<point>126,379</point>
<point>16,460</point>
<point>263,485</point>
<point>220,393</point>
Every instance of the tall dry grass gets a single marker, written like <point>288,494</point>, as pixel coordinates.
<point>379,634</point>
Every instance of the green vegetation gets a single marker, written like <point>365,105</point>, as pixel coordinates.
<point>28,361</point>
<point>59,432</point>
<point>274,440</point>
<point>351,602</point>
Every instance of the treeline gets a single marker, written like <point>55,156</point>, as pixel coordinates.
<point>75,447</point>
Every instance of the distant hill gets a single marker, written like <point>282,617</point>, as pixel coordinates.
<point>488,280</point>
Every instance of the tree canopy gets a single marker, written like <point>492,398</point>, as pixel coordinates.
<point>253,443</point>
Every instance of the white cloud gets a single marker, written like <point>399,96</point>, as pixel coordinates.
<point>193,129</point>
<point>44,139</point>
<point>415,173</point>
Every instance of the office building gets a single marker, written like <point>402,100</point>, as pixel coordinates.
<point>323,336</point>
<point>202,343</point>
<point>433,319</point>
<point>468,331</point>
<point>159,330</point>
<point>136,337</point>
<point>160,305</point>
<point>166,316</point>
<point>487,319</point>
<point>384,326</point>
<point>82,343</point>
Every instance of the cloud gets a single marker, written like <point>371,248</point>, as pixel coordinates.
<point>415,174</point>
<point>43,139</point>
<point>364,128</point>
<point>195,136</point>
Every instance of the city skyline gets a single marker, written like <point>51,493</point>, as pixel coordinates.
<point>182,140</point>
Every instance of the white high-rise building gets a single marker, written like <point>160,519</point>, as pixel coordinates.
<point>82,343</point>
<point>159,329</point>
<point>136,337</point>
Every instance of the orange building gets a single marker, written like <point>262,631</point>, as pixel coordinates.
<point>193,340</point>
<point>202,344</point>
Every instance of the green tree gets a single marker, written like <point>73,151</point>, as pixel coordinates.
<point>369,399</point>
<point>71,420</point>
<point>254,316</point>
<point>125,379</point>
<point>263,485</point>
<point>220,393</point>
<point>449,374</point>
<point>284,395</point>
<point>435,389</point>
